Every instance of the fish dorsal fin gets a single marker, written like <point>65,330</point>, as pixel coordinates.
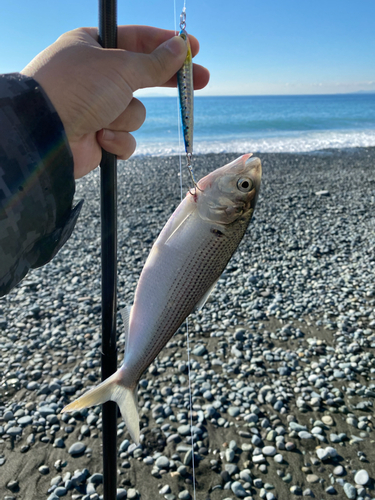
<point>203,300</point>
<point>125,314</point>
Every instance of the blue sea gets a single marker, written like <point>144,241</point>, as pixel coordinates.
<point>260,124</point>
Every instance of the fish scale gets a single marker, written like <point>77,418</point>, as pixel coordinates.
<point>185,262</point>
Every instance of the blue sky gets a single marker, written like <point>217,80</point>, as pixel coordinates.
<point>250,47</point>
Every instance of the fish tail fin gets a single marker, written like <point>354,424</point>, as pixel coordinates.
<point>128,403</point>
<point>112,390</point>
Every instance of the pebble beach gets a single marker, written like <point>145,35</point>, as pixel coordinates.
<point>282,356</point>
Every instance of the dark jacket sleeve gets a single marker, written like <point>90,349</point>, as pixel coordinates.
<point>36,180</point>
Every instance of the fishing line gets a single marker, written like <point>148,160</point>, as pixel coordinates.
<point>191,405</point>
<point>187,320</point>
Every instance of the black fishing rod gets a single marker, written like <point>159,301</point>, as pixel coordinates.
<point>108,203</point>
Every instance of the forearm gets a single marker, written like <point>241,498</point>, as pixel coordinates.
<point>36,180</point>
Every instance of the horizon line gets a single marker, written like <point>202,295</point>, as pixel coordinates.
<point>358,92</point>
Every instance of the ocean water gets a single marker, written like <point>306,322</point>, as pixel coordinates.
<point>260,123</point>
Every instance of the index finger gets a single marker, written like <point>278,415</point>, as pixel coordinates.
<point>143,39</point>
<point>146,39</point>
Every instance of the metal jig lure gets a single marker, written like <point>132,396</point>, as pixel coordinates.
<point>186,95</point>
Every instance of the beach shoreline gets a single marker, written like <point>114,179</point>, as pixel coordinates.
<point>262,123</point>
<point>284,346</point>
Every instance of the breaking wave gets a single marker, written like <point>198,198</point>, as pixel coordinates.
<point>286,143</point>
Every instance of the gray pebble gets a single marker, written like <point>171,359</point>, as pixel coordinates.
<point>184,430</point>
<point>60,491</point>
<point>269,451</point>
<point>85,430</point>
<point>271,436</point>
<point>256,441</point>
<point>307,493</point>
<point>184,495</point>
<point>14,431</point>
<point>199,350</point>
<point>44,469</point>
<point>362,477</point>
<point>32,386</point>
<point>121,494</point>
<point>162,462</point>
<point>77,449</point>
<point>296,490</point>
<point>56,480</point>
<point>165,489</point>
<point>350,491</point>
<point>12,485</point>
<point>269,496</point>
<point>331,490</point>
<point>124,445</point>
<point>188,457</point>
<point>46,410</point>
<point>231,469</point>
<point>339,470</point>
<point>297,427</point>
<point>96,478</point>
<point>133,494</point>
<point>305,435</point>
<point>278,458</point>
<point>8,415</point>
<point>182,470</point>
<point>326,453</point>
<point>334,438</point>
<point>23,421</point>
<point>238,489</point>
<point>59,443</point>
<point>234,411</point>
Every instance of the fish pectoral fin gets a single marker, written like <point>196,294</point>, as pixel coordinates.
<point>112,390</point>
<point>204,299</point>
<point>178,224</point>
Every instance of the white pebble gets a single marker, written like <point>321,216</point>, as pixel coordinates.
<point>362,477</point>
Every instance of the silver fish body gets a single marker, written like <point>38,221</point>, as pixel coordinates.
<point>184,264</point>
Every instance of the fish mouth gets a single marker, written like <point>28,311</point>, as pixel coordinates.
<point>253,162</point>
<point>254,166</point>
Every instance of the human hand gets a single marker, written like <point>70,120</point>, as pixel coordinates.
<point>92,88</point>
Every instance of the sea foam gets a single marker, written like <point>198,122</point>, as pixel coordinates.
<point>286,143</point>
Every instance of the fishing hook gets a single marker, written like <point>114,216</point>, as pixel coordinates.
<point>191,171</point>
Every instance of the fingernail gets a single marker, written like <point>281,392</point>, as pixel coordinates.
<point>176,45</point>
<point>108,135</point>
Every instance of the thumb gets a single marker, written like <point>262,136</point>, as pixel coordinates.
<point>155,69</point>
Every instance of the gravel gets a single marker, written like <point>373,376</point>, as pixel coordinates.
<point>282,354</point>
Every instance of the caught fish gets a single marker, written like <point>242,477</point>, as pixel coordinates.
<point>181,270</point>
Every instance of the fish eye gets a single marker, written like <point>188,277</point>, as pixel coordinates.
<point>244,184</point>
